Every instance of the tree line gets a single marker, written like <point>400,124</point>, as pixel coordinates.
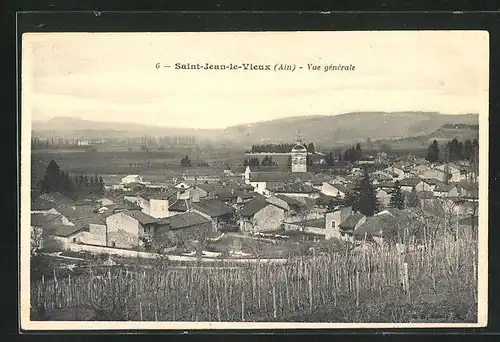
<point>79,186</point>
<point>58,143</point>
<point>352,154</point>
<point>254,161</point>
<point>453,150</point>
<point>278,148</point>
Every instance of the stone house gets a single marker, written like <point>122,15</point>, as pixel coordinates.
<point>383,196</point>
<point>259,215</point>
<point>185,227</point>
<point>129,229</point>
<point>350,224</point>
<point>333,220</point>
<point>221,214</point>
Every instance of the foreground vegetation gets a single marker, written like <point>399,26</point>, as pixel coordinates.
<point>436,283</point>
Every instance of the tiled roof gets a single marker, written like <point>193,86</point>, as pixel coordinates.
<point>278,202</point>
<point>141,217</point>
<point>279,176</point>
<point>344,188</point>
<point>351,221</point>
<point>52,225</point>
<point>184,220</point>
<point>213,207</point>
<point>412,181</point>
<point>254,206</point>
<point>376,226</point>
<point>179,205</point>
<point>291,201</point>
<point>79,217</point>
<point>297,187</point>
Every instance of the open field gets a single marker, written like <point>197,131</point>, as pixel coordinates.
<point>158,164</point>
<point>333,287</point>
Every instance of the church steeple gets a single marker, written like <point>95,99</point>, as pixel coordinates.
<point>299,156</point>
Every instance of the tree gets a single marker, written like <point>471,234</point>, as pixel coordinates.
<point>267,161</point>
<point>330,161</point>
<point>303,213</point>
<point>185,161</point>
<point>397,197</point>
<point>433,152</point>
<point>310,147</point>
<point>358,153</point>
<point>413,200</point>
<point>367,200</point>
<point>51,180</point>
<point>254,162</point>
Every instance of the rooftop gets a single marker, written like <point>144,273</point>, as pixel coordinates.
<point>351,221</point>
<point>141,217</point>
<point>213,207</point>
<point>179,205</point>
<point>184,220</point>
<point>52,225</point>
<point>254,206</point>
<point>280,176</point>
<point>297,187</point>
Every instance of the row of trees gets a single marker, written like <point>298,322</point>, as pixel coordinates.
<point>266,161</point>
<point>352,154</point>
<point>59,143</point>
<point>56,180</point>
<point>453,150</point>
<point>278,148</point>
<point>175,140</point>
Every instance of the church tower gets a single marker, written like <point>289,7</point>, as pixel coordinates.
<point>299,157</point>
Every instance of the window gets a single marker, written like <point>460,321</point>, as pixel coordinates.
<point>333,224</point>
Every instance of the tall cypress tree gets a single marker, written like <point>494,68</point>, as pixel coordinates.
<point>413,200</point>
<point>367,200</point>
<point>397,197</point>
<point>358,153</point>
<point>51,180</point>
<point>433,152</point>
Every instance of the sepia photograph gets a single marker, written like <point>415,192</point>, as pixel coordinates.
<point>220,180</point>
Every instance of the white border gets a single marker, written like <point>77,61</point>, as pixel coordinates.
<point>27,325</point>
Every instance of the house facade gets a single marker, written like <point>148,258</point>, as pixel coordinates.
<point>129,229</point>
<point>261,216</point>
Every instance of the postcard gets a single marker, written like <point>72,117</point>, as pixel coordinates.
<point>254,180</point>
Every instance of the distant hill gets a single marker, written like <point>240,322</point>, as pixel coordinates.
<point>322,130</point>
<point>347,128</point>
<point>88,129</point>
<point>444,134</point>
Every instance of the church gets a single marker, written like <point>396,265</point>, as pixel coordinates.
<point>263,182</point>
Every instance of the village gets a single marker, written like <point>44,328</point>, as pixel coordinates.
<point>252,212</point>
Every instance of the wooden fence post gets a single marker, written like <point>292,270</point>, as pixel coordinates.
<point>406,280</point>
<point>274,302</point>
<point>243,306</point>
<point>357,289</point>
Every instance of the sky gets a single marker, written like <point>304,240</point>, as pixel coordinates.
<point>112,76</point>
